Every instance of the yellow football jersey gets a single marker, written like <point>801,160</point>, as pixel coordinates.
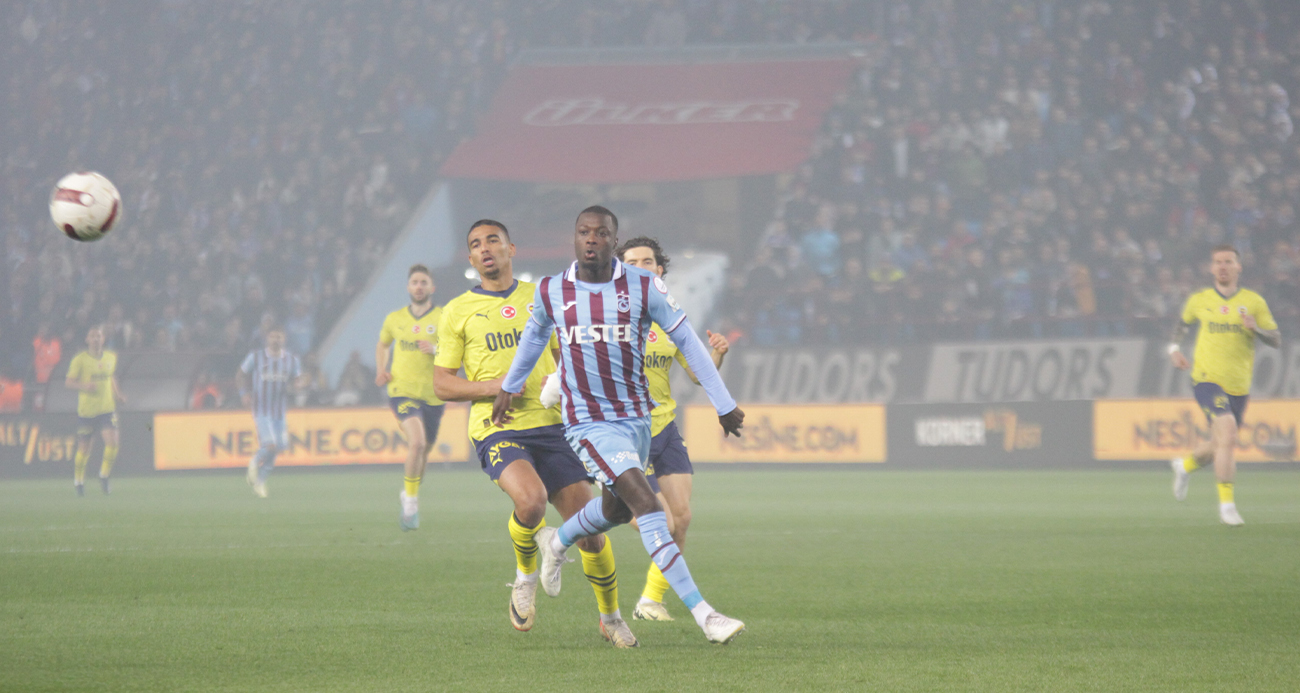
<point>660,352</point>
<point>412,369</point>
<point>481,329</point>
<point>85,368</point>
<point>1225,351</point>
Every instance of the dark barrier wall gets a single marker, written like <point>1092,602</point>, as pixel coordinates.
<point>1041,434</point>
<point>43,445</point>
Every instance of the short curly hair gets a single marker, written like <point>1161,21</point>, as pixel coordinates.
<point>646,242</point>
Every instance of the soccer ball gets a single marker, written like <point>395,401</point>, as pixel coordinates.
<point>85,205</point>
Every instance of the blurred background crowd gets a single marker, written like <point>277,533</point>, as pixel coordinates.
<point>996,168</point>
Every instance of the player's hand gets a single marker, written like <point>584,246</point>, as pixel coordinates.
<point>551,390</point>
<point>732,422</point>
<point>1179,361</point>
<point>1248,322</point>
<point>501,407</point>
<point>717,342</point>
<point>426,346</point>
<point>382,378</point>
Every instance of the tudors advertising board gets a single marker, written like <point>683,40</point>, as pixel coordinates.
<point>1035,371</point>
<point>1160,429</point>
<point>316,437</point>
<point>44,444</point>
<point>824,376</point>
<point>804,433</point>
<point>990,435</point>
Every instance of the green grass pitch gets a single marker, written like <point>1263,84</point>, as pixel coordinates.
<point>848,580</point>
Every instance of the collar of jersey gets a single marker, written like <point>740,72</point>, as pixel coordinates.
<point>420,316</point>
<point>572,274</point>
<point>499,294</point>
<point>1226,298</point>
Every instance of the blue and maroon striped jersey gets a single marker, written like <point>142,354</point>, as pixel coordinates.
<point>602,329</point>
<point>272,376</point>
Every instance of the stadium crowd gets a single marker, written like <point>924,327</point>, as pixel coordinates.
<point>1017,169</point>
<point>997,168</point>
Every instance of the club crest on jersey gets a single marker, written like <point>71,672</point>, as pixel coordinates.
<point>624,303</point>
<point>430,329</point>
<point>1223,309</point>
<point>507,312</point>
<point>1241,309</point>
<point>415,329</point>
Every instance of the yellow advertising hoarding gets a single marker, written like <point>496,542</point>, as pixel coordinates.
<point>789,433</point>
<point>1159,429</point>
<point>205,440</point>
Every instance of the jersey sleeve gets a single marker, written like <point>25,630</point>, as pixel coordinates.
<point>541,311</point>
<point>247,365</point>
<point>74,368</point>
<point>451,343</point>
<point>1189,309</point>
<point>662,308</point>
<point>702,365</point>
<point>1264,316</point>
<point>386,331</point>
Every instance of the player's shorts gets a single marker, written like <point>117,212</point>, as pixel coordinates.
<point>543,447</point>
<point>406,407</point>
<point>667,456</point>
<point>1215,402</point>
<point>609,448</point>
<point>272,432</point>
<point>89,425</point>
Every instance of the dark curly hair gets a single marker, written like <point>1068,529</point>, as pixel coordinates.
<point>646,242</point>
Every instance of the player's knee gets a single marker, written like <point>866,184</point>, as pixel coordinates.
<point>592,544</point>
<point>530,510</point>
<point>681,520</point>
<point>619,514</point>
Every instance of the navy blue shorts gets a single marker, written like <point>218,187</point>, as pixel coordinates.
<point>545,448</point>
<point>667,456</point>
<point>90,425</point>
<point>406,407</point>
<point>1215,402</point>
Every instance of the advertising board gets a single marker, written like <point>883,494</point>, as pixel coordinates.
<point>792,433</point>
<point>1160,429</point>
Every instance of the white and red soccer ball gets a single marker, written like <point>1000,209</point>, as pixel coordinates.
<point>85,205</point>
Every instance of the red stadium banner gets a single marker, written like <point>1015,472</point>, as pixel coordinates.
<point>643,123</point>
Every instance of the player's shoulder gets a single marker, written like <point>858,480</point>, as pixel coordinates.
<point>397,315</point>
<point>1253,296</point>
<point>638,272</point>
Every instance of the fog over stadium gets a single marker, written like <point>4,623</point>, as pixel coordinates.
<point>954,260</point>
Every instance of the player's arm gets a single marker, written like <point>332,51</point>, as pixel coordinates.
<point>74,382</point>
<point>678,328</point>
<point>719,347</point>
<point>301,381</point>
<point>1181,327</point>
<point>117,391</point>
<point>382,350</point>
<point>1264,326</point>
<point>242,382</point>
<point>450,387</point>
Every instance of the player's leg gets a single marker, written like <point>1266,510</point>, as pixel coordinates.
<point>1212,400</point>
<point>615,453</point>
<point>671,482</point>
<point>110,436</point>
<point>265,426</point>
<point>565,473</point>
<point>410,416</point>
<point>278,440</point>
<point>517,477</point>
<point>85,439</point>
<point>432,416</point>
<point>1225,466</point>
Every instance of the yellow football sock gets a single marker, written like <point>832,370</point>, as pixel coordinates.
<point>525,544</point>
<point>110,456</point>
<point>599,568</point>
<point>79,468</point>
<point>412,486</point>
<point>655,584</point>
<point>1190,464</point>
<point>1225,492</point>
